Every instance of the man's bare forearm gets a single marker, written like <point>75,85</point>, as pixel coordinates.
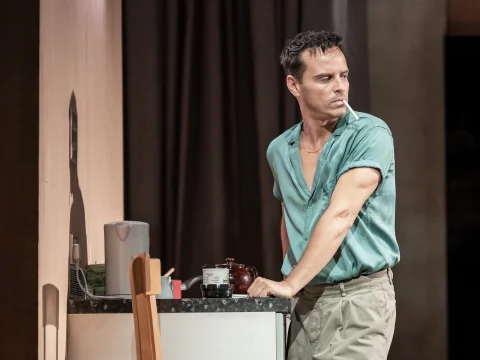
<point>329,233</point>
<point>352,190</point>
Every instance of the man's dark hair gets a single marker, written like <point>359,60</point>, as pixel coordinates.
<point>291,56</point>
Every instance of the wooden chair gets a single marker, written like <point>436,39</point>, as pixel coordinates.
<point>144,285</point>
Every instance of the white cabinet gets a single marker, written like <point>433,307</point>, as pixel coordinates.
<point>199,336</point>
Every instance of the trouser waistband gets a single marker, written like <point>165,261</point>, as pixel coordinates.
<point>347,285</point>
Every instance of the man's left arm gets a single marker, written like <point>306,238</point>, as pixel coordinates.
<point>352,190</point>
<point>368,164</point>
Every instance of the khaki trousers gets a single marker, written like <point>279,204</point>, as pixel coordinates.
<point>351,320</point>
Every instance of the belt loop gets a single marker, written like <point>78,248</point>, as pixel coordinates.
<point>390,276</point>
<point>342,290</point>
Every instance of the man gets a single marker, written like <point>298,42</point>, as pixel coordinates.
<point>335,177</point>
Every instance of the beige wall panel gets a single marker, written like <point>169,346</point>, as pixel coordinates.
<point>102,168</point>
<point>80,51</point>
<point>57,22</point>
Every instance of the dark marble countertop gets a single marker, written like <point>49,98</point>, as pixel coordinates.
<point>191,305</point>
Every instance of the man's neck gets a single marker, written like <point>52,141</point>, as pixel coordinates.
<point>317,131</point>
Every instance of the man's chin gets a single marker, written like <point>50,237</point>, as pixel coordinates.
<point>339,112</point>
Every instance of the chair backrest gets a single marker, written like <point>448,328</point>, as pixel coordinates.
<point>144,285</point>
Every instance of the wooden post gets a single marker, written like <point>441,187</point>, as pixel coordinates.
<point>145,284</point>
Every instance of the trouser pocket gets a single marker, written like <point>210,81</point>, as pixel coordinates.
<point>384,295</point>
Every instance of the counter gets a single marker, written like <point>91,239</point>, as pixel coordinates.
<point>194,305</point>
<point>196,328</point>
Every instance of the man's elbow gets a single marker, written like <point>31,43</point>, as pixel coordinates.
<point>344,215</point>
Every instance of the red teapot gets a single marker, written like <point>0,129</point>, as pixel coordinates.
<point>241,277</point>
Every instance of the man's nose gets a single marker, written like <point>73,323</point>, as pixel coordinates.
<point>339,85</point>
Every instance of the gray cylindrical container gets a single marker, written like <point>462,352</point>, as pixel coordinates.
<point>123,239</point>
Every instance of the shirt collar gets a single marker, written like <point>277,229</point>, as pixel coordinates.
<point>342,124</point>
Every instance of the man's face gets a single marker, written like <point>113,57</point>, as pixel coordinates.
<point>324,84</point>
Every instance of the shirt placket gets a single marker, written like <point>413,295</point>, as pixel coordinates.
<point>322,163</point>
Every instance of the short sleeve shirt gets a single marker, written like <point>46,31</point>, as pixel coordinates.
<point>370,245</point>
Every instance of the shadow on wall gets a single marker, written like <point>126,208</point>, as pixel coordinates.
<point>77,209</point>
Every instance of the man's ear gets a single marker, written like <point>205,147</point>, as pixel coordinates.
<point>293,85</point>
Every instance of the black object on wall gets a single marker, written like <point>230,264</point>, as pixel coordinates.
<point>462,56</point>
<point>78,227</point>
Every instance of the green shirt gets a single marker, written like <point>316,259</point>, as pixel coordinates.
<point>370,245</point>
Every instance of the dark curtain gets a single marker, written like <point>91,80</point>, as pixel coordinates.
<point>204,95</point>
